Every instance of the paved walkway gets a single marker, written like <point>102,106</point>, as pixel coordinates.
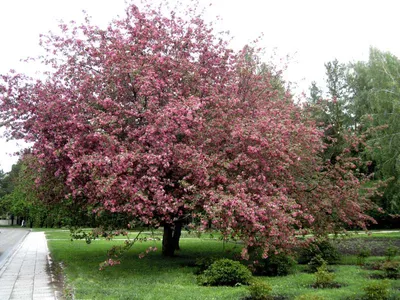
<point>25,274</point>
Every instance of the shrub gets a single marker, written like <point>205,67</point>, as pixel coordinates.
<point>316,262</point>
<point>225,272</point>
<point>377,290</point>
<point>323,278</point>
<point>391,252</point>
<point>391,269</point>
<point>362,254</point>
<point>275,265</point>
<point>203,264</point>
<point>260,290</point>
<point>375,265</point>
<point>324,248</point>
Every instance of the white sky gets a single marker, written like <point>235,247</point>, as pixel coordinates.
<point>312,32</point>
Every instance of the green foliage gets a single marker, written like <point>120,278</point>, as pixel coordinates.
<point>15,199</point>
<point>260,290</point>
<point>25,198</point>
<point>203,263</point>
<point>275,265</point>
<point>391,269</point>
<point>364,99</point>
<point>8,181</point>
<point>324,248</point>
<point>331,110</point>
<point>377,290</point>
<point>362,254</point>
<point>375,265</point>
<point>2,184</point>
<point>375,86</point>
<point>37,205</point>
<point>391,252</point>
<point>315,263</point>
<point>225,272</point>
<point>323,278</point>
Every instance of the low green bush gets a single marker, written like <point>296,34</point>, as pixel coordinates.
<point>377,290</point>
<point>275,265</point>
<point>203,263</point>
<point>390,269</point>
<point>391,252</point>
<point>315,263</point>
<point>324,248</point>
<point>362,254</point>
<point>323,278</point>
<point>225,272</point>
<point>260,290</point>
<point>374,265</point>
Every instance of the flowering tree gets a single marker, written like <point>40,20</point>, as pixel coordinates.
<point>156,118</point>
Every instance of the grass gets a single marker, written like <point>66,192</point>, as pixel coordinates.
<point>351,278</point>
<point>376,234</point>
<point>146,278</point>
<point>156,277</point>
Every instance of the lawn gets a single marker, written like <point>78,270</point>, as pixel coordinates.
<point>156,277</point>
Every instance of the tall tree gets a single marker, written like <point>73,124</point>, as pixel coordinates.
<point>331,108</point>
<point>155,117</point>
<point>3,192</point>
<point>7,185</point>
<point>2,183</point>
<point>375,85</point>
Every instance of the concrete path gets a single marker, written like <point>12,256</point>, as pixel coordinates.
<point>25,274</point>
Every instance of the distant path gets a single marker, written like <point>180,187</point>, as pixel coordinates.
<point>10,238</point>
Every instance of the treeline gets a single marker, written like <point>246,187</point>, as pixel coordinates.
<point>47,204</point>
<point>20,199</point>
<point>363,99</point>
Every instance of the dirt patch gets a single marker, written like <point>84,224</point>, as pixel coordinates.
<point>376,246</point>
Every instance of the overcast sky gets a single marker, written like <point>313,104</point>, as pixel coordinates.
<point>311,32</point>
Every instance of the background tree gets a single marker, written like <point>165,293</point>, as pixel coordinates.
<point>3,192</point>
<point>375,86</point>
<point>332,108</point>
<point>157,119</point>
<point>7,185</point>
<point>3,183</point>
<point>368,105</point>
<point>20,200</point>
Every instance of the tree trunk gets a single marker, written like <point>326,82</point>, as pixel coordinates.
<point>168,247</point>
<point>177,235</point>
<point>172,234</point>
